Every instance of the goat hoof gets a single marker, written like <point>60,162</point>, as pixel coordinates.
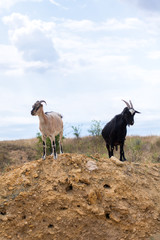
<point>123,160</point>
<point>54,156</point>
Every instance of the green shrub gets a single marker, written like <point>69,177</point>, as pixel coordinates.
<point>76,131</point>
<point>96,128</point>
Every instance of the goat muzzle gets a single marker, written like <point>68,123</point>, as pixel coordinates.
<point>137,112</point>
<point>32,113</point>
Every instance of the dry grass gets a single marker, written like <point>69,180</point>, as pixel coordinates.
<point>137,149</point>
<point>85,145</point>
<point>14,153</point>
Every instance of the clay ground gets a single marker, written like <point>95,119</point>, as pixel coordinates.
<point>80,197</point>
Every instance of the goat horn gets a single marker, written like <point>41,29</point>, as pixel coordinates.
<point>43,101</point>
<point>126,103</point>
<point>131,104</point>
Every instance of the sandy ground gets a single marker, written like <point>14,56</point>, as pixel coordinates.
<point>80,198</point>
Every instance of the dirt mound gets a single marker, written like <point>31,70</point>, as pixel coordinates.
<point>80,197</point>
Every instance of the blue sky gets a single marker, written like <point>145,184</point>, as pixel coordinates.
<point>82,57</point>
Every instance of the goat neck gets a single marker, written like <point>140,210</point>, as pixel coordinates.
<point>42,116</point>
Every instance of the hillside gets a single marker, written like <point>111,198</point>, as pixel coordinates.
<point>80,198</point>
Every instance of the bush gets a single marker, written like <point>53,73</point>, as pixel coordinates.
<point>76,131</point>
<point>96,128</point>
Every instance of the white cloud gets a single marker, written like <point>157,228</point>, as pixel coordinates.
<point>16,21</point>
<point>6,4</point>
<point>32,39</point>
<point>112,24</point>
<point>57,4</point>
<point>70,45</point>
<point>36,46</point>
<point>11,62</point>
<point>62,44</point>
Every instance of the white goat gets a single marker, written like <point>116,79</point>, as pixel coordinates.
<point>50,125</point>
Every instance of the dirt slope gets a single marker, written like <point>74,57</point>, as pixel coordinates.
<point>80,198</point>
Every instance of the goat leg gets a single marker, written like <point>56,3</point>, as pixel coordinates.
<point>54,150</point>
<point>112,148</point>
<point>61,148</point>
<point>122,156</point>
<point>44,150</point>
<point>60,144</point>
<point>110,153</point>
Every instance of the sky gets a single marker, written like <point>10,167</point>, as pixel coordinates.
<point>82,57</point>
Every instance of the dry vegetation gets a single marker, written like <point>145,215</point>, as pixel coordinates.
<point>137,149</point>
<point>15,153</point>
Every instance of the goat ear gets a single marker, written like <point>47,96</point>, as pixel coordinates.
<point>137,112</point>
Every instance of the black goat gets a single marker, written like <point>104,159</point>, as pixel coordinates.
<point>115,131</point>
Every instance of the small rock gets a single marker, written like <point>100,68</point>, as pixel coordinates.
<point>91,165</point>
<point>117,161</point>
